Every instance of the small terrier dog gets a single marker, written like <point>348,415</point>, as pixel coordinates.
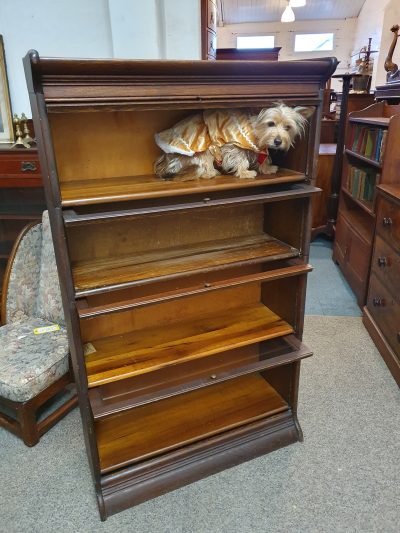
<point>229,142</point>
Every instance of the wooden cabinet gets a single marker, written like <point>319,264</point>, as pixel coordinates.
<point>371,158</point>
<point>184,301</point>
<point>381,315</point>
<point>21,196</point>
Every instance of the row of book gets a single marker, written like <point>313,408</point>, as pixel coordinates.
<point>369,142</point>
<point>361,184</point>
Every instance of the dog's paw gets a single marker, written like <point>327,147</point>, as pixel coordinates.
<point>247,174</point>
<point>272,169</point>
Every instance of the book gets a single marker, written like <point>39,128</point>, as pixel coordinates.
<point>378,144</point>
<point>383,146</point>
<point>369,143</point>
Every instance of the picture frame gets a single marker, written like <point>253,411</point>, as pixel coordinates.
<point>6,123</point>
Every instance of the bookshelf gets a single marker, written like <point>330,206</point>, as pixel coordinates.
<point>184,302</point>
<point>370,159</point>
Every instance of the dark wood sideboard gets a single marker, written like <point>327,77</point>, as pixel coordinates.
<point>21,196</point>
<point>381,315</point>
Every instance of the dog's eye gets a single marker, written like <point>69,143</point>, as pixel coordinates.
<point>288,128</point>
<point>270,124</point>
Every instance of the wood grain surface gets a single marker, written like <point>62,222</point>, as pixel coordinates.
<point>122,356</point>
<point>152,429</point>
<point>178,261</point>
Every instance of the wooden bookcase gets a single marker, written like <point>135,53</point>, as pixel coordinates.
<point>184,301</point>
<point>357,207</point>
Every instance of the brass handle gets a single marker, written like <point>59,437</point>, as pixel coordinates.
<point>378,302</point>
<point>382,261</point>
<point>28,166</point>
<point>387,222</point>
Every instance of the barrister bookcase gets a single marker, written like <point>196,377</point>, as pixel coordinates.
<point>184,301</point>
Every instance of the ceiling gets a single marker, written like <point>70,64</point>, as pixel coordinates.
<point>239,11</point>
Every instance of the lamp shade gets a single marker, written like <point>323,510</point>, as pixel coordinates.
<point>288,15</point>
<point>297,3</point>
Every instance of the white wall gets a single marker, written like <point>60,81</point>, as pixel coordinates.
<point>370,24</point>
<point>285,34</point>
<point>137,29</point>
<point>391,16</point>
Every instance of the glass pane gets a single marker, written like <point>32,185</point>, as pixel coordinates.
<point>256,41</point>
<point>313,42</point>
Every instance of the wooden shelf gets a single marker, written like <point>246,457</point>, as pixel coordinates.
<point>292,267</point>
<point>374,121</point>
<point>95,191</point>
<point>82,215</point>
<point>96,275</point>
<point>364,159</point>
<point>170,381</point>
<point>181,420</point>
<point>122,356</point>
<point>359,202</point>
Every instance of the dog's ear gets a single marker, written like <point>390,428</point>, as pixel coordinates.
<point>305,112</point>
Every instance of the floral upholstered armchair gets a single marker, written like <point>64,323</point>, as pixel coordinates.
<point>34,353</point>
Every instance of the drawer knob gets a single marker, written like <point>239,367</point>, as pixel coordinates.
<point>378,301</point>
<point>387,222</point>
<point>28,166</point>
<point>382,261</point>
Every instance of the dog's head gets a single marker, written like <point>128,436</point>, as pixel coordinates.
<point>277,127</point>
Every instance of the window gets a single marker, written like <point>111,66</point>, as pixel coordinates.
<point>313,42</point>
<point>255,41</point>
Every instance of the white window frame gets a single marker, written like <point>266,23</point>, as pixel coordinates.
<point>313,33</point>
<point>256,35</point>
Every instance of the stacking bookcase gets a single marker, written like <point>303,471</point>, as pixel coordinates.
<point>371,158</point>
<point>184,301</point>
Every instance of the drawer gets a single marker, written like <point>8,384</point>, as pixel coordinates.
<point>19,165</point>
<point>385,311</point>
<point>386,265</point>
<point>388,222</point>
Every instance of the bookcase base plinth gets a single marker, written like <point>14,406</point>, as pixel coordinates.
<point>149,479</point>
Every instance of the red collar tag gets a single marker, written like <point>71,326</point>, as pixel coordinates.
<point>262,156</point>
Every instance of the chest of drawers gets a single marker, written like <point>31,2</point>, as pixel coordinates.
<point>382,312</point>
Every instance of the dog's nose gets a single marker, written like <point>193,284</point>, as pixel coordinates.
<point>277,141</point>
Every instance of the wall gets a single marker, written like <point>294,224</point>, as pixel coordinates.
<point>154,29</point>
<point>285,34</point>
<point>370,23</point>
<point>391,16</point>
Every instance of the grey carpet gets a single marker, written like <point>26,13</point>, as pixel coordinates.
<point>343,478</point>
<point>328,292</point>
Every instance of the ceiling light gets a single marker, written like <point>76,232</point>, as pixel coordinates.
<point>297,3</point>
<point>288,15</point>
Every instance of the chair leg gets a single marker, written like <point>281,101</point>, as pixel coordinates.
<point>27,418</point>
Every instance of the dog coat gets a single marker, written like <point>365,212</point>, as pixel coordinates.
<point>209,130</point>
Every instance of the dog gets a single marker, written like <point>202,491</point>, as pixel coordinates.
<point>229,142</point>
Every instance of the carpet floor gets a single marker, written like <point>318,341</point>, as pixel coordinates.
<point>343,478</point>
